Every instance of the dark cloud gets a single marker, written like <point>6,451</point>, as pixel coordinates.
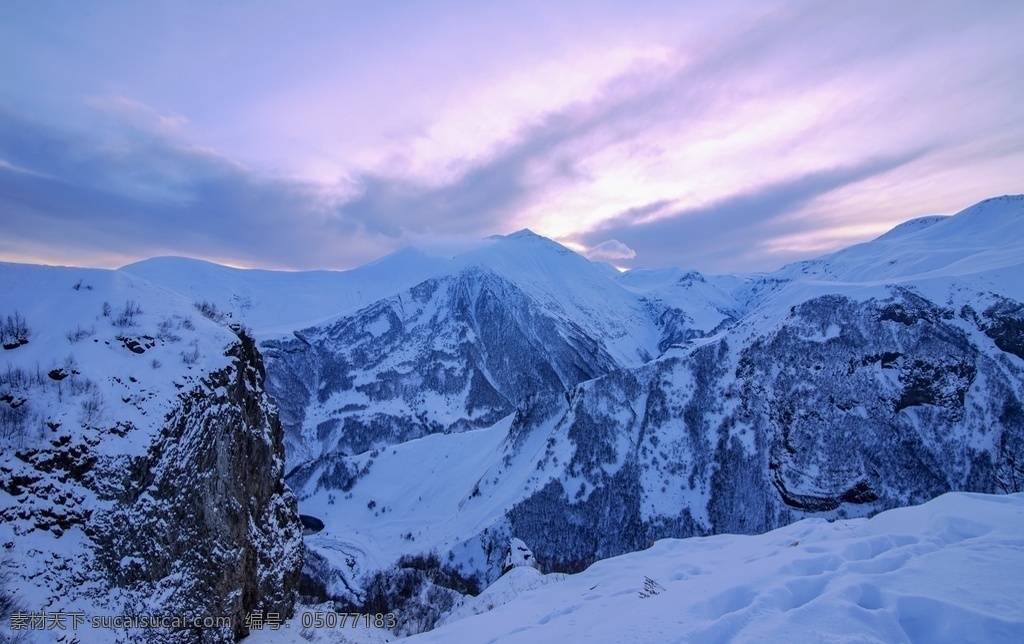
<point>477,203</point>
<point>483,199</point>
<point>718,237</point>
<point>140,194</point>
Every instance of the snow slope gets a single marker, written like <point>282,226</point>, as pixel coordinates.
<point>279,301</point>
<point>951,570</point>
<point>83,333</point>
<point>985,237</point>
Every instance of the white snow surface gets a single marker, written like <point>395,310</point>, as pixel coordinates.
<point>951,570</point>
<point>983,238</point>
<point>70,332</point>
<point>273,302</point>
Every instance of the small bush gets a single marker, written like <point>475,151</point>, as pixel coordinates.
<point>79,385</point>
<point>106,310</point>
<point>190,356</point>
<point>13,422</point>
<point>128,314</point>
<point>92,409</point>
<point>9,605</point>
<point>79,334</point>
<point>209,310</point>
<point>165,331</point>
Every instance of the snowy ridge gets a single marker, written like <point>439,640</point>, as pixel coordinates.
<point>985,237</point>
<point>910,226</point>
<point>273,302</point>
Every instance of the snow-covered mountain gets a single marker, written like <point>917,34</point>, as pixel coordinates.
<point>432,408</point>
<point>520,317</point>
<point>741,403</point>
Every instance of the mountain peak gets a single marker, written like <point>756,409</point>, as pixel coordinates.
<point>525,234</point>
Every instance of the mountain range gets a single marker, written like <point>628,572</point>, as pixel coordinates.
<point>429,408</point>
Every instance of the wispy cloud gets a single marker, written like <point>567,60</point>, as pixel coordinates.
<point>738,229</point>
<point>610,251</point>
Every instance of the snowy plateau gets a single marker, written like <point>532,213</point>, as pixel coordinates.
<point>830,452</point>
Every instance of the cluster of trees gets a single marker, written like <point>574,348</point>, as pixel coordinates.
<point>14,331</point>
<point>418,589</point>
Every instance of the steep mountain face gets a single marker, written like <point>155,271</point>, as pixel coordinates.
<point>451,354</point>
<point>845,408</point>
<point>455,352</point>
<point>142,470</point>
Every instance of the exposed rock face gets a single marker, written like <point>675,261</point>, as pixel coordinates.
<point>844,408</point>
<point>204,522</point>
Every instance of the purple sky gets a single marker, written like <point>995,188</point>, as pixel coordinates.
<point>722,136</point>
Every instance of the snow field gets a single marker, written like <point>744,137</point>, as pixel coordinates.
<point>951,570</point>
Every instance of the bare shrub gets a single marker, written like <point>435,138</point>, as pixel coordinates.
<point>128,314</point>
<point>13,421</point>
<point>165,331</point>
<point>210,311</point>
<point>92,408</point>
<point>78,333</point>
<point>191,355</point>
<point>9,605</point>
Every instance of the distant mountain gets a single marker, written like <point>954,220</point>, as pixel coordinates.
<point>280,301</point>
<point>520,317</point>
<point>656,403</point>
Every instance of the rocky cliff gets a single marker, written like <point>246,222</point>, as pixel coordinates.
<point>204,521</point>
<point>142,473</point>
